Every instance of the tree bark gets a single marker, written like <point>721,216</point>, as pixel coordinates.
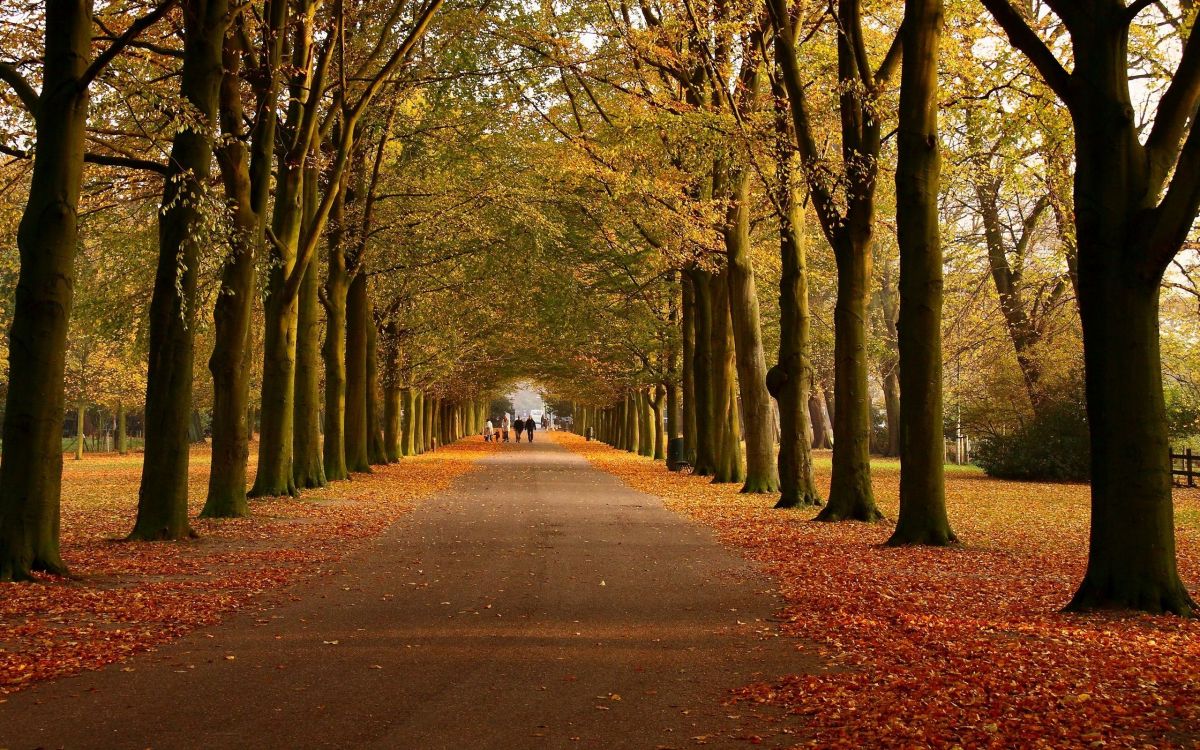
<point>122,435</point>
<point>645,423</point>
<point>688,320</point>
<point>408,422</point>
<point>337,284</point>
<point>922,518</point>
<point>80,413</point>
<point>703,366</point>
<point>308,467</point>
<point>851,497</point>
<point>790,381</point>
<point>726,423</point>
<point>761,471</point>
<point>822,425</point>
<point>375,446</point>
<point>31,464</point>
<point>163,495</point>
<point>246,175</point>
<point>357,458</point>
<point>660,437</point>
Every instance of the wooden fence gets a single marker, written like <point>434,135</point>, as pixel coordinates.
<point>1185,467</point>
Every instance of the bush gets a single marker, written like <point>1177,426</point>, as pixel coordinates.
<point>1050,446</point>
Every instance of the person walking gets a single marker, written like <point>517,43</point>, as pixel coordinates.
<point>504,426</point>
<point>488,431</point>
<point>530,425</point>
<point>518,427</point>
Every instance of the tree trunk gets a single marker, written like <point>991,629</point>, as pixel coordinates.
<point>922,518</point>
<point>632,425</point>
<point>396,401</point>
<point>246,175</point>
<point>688,425</point>
<point>281,304</point>
<point>822,426</point>
<point>31,463</point>
<point>1131,555</point>
<point>790,381</point>
<point>1131,551</point>
<point>660,437</point>
<point>408,422</point>
<point>424,421</point>
<point>851,497</point>
<point>392,434</point>
<point>337,284</point>
<point>80,414</point>
<point>163,495</point>
<point>891,408</point>
<point>375,447</point>
<point>122,435</point>
<point>726,424</point>
<point>308,468</point>
<point>356,376</point>
<point>761,472</point>
<point>703,365</point>
<point>645,424</point>
<point>889,362</point>
<point>274,476</point>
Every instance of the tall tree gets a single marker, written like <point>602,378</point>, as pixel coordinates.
<point>1136,201</point>
<point>31,466</point>
<point>183,226</point>
<point>848,228</point>
<point>246,175</point>
<point>790,380</point>
<point>922,518</point>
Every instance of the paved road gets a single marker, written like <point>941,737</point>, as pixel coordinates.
<point>538,603</point>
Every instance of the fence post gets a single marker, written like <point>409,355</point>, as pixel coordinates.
<point>1188,461</point>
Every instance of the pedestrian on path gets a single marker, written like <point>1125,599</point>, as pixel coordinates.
<point>518,427</point>
<point>488,431</point>
<point>504,426</point>
<point>530,425</point>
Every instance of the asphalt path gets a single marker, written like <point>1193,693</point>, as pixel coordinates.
<point>538,603</point>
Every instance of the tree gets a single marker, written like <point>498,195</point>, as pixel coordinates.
<point>183,226</point>
<point>246,175</point>
<point>31,465</point>
<point>922,518</point>
<point>1135,203</point>
<point>848,229</point>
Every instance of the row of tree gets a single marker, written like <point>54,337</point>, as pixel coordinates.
<point>1129,212</point>
<point>374,214</point>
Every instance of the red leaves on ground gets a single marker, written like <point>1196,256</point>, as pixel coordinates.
<point>961,647</point>
<point>132,596</point>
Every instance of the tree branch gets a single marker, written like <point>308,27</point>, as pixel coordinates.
<point>1137,7</point>
<point>1177,106</point>
<point>135,29</point>
<point>107,160</point>
<point>25,92</point>
<point>1023,37</point>
<point>1172,220</point>
<point>891,61</point>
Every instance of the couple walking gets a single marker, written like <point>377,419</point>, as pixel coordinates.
<point>526,425</point>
